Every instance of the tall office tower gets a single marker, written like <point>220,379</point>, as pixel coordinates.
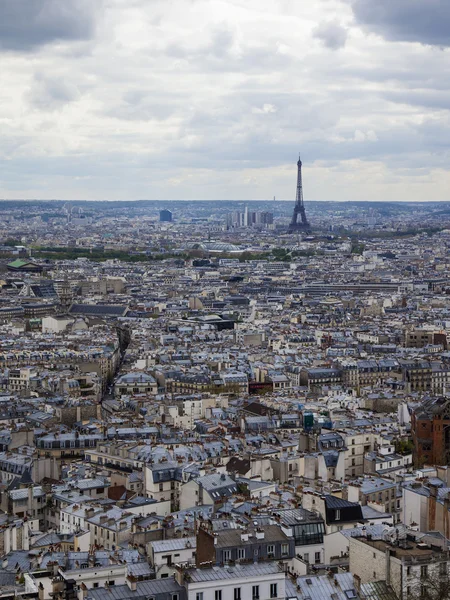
<point>267,218</point>
<point>299,208</point>
<point>246,217</point>
<point>165,216</point>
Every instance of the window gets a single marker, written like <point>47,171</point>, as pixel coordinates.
<point>161,487</point>
<point>284,549</point>
<point>96,584</point>
<point>408,569</point>
<point>175,596</point>
<point>255,592</point>
<point>226,555</point>
<point>317,558</point>
<point>237,593</point>
<point>241,553</point>
<point>423,571</point>
<point>218,595</point>
<point>337,514</point>
<point>199,596</point>
<point>270,550</point>
<point>443,568</point>
<point>273,590</point>
<point>112,582</point>
<point>306,557</point>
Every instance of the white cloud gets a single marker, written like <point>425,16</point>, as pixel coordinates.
<point>265,109</point>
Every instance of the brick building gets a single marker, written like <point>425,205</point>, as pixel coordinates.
<point>430,429</point>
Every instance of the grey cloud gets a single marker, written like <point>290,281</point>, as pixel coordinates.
<point>50,93</point>
<point>423,21</point>
<point>331,34</point>
<point>425,98</point>
<point>221,43</point>
<point>145,105</point>
<point>28,24</point>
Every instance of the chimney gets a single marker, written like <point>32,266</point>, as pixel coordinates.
<point>357,583</point>
<point>131,583</point>
<point>388,566</point>
<point>432,507</point>
<point>259,534</point>
<point>446,515</point>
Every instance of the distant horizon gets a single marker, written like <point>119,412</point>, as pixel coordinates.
<point>51,200</point>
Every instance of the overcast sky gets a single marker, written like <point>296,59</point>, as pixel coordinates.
<point>213,99</point>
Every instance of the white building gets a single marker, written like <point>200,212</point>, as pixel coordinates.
<point>242,582</point>
<point>55,323</point>
<point>165,554</point>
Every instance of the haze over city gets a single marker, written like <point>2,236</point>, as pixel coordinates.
<point>210,99</point>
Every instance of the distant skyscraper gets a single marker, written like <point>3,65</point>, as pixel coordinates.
<point>248,218</point>
<point>267,218</point>
<point>299,208</point>
<point>165,216</point>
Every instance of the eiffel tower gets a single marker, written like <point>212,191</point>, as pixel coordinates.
<point>299,208</point>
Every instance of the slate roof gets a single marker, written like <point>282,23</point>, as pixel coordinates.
<point>7,579</point>
<point>375,484</point>
<point>238,465</point>
<point>107,310</point>
<point>216,482</point>
<point>341,587</point>
<point>43,290</point>
<point>135,377</point>
<point>297,516</point>
<point>231,538</point>
<point>18,560</point>
<point>147,589</point>
<point>331,458</point>
<point>238,571</point>
<point>174,544</point>
<point>334,502</point>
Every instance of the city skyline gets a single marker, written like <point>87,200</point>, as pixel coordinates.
<point>214,100</point>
